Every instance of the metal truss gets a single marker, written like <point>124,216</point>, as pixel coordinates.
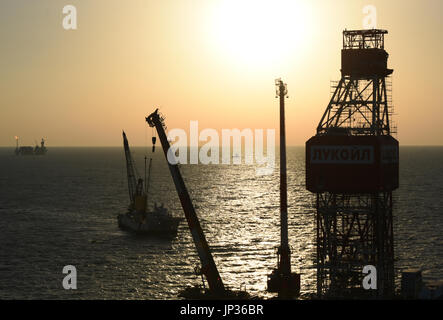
<point>358,107</point>
<point>354,230</point>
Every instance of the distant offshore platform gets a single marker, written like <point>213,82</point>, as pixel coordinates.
<point>38,150</point>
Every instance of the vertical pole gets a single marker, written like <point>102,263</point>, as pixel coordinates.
<point>320,265</point>
<point>375,107</point>
<point>146,185</point>
<point>379,216</point>
<point>391,249</point>
<point>285,264</point>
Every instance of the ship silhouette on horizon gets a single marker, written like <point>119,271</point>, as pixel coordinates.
<point>28,151</point>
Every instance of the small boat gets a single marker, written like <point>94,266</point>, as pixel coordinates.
<point>157,222</point>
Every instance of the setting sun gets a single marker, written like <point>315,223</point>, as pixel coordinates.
<point>259,33</point>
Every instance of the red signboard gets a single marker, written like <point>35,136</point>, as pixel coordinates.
<point>351,164</point>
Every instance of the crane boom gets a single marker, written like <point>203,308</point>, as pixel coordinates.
<point>208,268</point>
<point>132,182</point>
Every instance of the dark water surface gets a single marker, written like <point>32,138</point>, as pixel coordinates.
<point>61,209</point>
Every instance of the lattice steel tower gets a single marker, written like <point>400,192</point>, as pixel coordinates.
<point>352,166</point>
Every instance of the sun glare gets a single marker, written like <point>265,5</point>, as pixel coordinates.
<point>259,32</point>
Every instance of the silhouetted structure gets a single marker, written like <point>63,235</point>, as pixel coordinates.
<point>27,151</point>
<point>40,150</point>
<point>208,268</point>
<point>352,166</point>
<point>139,219</point>
<point>282,280</point>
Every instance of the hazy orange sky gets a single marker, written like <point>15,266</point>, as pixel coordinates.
<point>206,60</point>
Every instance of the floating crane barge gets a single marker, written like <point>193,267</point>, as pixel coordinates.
<point>139,219</point>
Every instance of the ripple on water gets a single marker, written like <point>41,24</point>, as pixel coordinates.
<point>62,209</point>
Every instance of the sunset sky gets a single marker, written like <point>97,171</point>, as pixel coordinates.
<point>214,61</point>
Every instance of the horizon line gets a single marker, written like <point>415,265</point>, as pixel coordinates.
<point>150,146</point>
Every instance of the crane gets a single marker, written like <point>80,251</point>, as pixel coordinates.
<point>131,171</point>
<point>208,267</point>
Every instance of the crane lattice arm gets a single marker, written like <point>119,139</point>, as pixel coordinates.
<point>208,268</point>
<point>132,179</point>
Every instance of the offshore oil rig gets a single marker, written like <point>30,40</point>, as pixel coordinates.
<point>26,150</point>
<point>352,166</point>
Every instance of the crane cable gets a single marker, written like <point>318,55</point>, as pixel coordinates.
<point>154,139</point>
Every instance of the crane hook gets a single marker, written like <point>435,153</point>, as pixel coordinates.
<point>154,139</point>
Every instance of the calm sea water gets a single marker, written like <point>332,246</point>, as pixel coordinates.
<point>61,209</point>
